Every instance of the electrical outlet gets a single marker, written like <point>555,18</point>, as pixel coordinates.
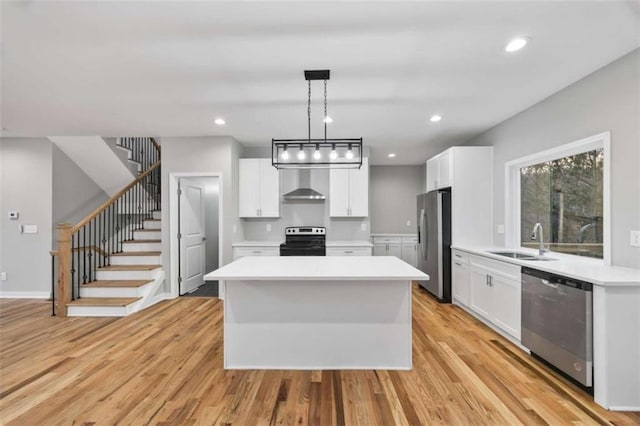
<point>500,229</point>
<point>363,226</point>
<point>408,223</point>
<point>3,276</point>
<point>235,228</point>
<point>268,227</point>
<point>635,238</point>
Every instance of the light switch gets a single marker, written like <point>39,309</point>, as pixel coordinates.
<point>235,228</point>
<point>408,223</point>
<point>363,226</point>
<point>500,229</point>
<point>29,229</point>
<point>3,276</point>
<point>268,227</point>
<point>635,238</point>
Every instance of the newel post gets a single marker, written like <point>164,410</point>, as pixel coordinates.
<point>64,268</point>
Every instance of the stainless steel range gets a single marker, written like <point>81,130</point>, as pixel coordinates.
<point>304,241</point>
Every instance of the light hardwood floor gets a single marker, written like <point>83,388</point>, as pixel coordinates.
<point>164,366</point>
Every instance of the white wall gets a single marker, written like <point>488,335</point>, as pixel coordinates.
<point>607,100</point>
<point>26,186</point>
<point>205,154</point>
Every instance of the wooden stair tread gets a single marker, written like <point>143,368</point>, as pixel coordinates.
<point>138,253</point>
<point>117,283</point>
<point>104,301</point>
<point>129,268</point>
<point>142,241</point>
<point>147,230</point>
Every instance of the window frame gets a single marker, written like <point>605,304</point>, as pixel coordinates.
<point>512,190</point>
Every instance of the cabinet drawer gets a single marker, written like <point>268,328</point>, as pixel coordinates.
<point>409,240</point>
<point>507,270</point>
<point>349,251</point>
<point>460,256</point>
<point>255,251</point>
<point>387,240</point>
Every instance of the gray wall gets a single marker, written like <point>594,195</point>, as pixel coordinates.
<point>305,213</point>
<point>202,155</point>
<point>607,100</point>
<point>25,186</point>
<point>393,191</point>
<point>75,195</point>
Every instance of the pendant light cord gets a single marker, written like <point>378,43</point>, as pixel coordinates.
<point>309,112</point>
<point>325,111</point>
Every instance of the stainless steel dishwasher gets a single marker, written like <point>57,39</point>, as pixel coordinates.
<point>557,322</point>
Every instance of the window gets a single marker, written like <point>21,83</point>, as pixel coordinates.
<point>566,190</point>
<point>566,197</point>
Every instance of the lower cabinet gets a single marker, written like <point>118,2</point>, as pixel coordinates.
<point>401,246</point>
<point>239,252</point>
<point>491,289</point>
<point>348,251</point>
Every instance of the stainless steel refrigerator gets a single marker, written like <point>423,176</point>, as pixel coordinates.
<point>434,242</point>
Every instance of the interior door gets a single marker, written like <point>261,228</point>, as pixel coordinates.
<point>192,230</point>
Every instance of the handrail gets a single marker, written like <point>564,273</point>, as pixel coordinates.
<point>156,144</point>
<point>110,201</point>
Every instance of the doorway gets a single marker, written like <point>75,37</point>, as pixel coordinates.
<point>198,234</point>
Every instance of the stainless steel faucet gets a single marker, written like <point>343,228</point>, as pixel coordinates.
<point>534,235</point>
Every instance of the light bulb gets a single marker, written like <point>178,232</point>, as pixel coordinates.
<point>333,154</point>
<point>285,155</point>
<point>316,154</point>
<point>301,155</point>
<point>327,119</point>
<point>349,155</point>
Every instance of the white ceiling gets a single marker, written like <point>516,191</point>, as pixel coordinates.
<point>170,68</point>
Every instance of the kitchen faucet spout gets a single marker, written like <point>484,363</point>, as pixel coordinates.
<point>537,229</point>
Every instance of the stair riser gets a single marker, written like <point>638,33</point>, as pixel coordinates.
<point>152,224</point>
<point>97,311</point>
<point>114,291</point>
<point>141,246</point>
<point>136,260</point>
<point>147,235</point>
<point>157,215</point>
<point>126,275</point>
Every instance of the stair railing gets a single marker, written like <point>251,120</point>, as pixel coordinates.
<point>88,245</point>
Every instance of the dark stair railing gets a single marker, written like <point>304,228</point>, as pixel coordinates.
<point>88,245</point>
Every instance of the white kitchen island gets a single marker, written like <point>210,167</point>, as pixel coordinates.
<point>317,313</point>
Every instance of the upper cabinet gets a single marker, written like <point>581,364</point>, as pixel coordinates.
<point>349,191</point>
<point>468,171</point>
<point>259,188</point>
<point>439,170</point>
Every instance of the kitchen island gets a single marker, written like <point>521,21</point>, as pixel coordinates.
<point>334,312</point>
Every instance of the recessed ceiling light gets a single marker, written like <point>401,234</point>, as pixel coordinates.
<point>220,121</point>
<point>516,44</point>
<point>435,118</point>
<point>391,155</point>
<point>328,119</point>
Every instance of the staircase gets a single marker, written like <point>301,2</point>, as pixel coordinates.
<point>113,257</point>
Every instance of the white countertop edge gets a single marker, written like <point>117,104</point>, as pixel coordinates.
<point>213,277</point>
<point>589,270</point>
<point>355,243</point>
<point>394,235</point>
<point>264,243</point>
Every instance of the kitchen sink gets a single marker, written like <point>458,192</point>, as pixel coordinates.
<point>521,256</point>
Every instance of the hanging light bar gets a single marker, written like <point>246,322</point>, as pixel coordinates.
<point>317,153</point>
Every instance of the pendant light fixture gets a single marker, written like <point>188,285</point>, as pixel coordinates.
<point>316,153</point>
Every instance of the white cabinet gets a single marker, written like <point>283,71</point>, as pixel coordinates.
<point>410,250</point>
<point>495,293</point>
<point>348,251</point>
<point>460,277</point>
<point>259,188</point>
<point>349,191</point>
<point>239,252</point>
<point>468,171</point>
<point>439,170</point>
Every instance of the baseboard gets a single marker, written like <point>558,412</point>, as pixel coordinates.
<point>625,408</point>
<point>25,295</point>
<point>160,297</point>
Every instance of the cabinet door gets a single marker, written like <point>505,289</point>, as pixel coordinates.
<point>460,281</point>
<point>338,192</point>
<point>409,253</point>
<point>481,294</point>
<point>269,192</point>
<point>432,173</point>
<point>359,190</point>
<point>394,250</point>
<point>444,170</point>
<point>507,304</point>
<point>248,187</point>
<point>379,249</point>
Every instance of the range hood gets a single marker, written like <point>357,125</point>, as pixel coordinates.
<point>304,192</point>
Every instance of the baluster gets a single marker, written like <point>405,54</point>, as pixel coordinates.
<point>84,255</point>
<point>92,253</point>
<point>78,248</point>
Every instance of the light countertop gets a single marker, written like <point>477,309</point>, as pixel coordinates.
<point>318,268</point>
<point>394,235</point>
<point>352,243</point>
<point>261,243</point>
<point>589,270</point>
